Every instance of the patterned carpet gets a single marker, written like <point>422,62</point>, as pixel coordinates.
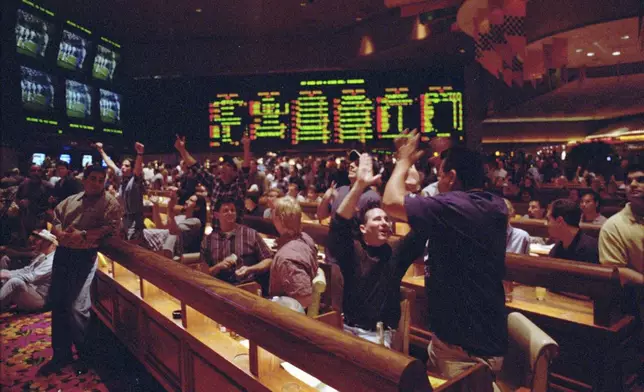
<point>25,344</point>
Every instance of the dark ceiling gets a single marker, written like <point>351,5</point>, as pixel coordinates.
<point>145,21</point>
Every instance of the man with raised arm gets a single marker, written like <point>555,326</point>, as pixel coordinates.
<point>465,228</point>
<point>372,269</point>
<point>231,183</point>
<point>131,191</point>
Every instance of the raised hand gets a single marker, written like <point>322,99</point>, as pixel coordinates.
<point>98,146</point>
<point>331,193</point>
<point>245,141</point>
<point>407,147</point>
<point>365,176</point>
<point>139,147</point>
<point>180,143</point>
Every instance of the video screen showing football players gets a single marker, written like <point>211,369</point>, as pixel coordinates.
<point>37,90</point>
<point>110,107</point>
<point>33,35</point>
<point>78,100</point>
<point>105,63</point>
<point>72,51</point>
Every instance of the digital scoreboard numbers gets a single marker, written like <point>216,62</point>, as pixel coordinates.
<point>335,111</point>
<point>269,116</point>
<point>353,116</point>
<point>441,111</point>
<point>226,116</point>
<point>310,117</point>
<point>395,111</point>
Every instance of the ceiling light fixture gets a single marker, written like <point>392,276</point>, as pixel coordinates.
<point>461,50</point>
<point>198,10</point>
<point>625,37</point>
<point>617,53</point>
<point>579,50</point>
<point>590,54</point>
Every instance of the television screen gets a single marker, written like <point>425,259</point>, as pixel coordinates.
<point>110,106</point>
<point>105,63</point>
<point>103,163</point>
<point>38,158</point>
<point>72,51</point>
<point>87,160</point>
<point>32,35</point>
<point>37,90</point>
<point>78,99</point>
<point>65,158</point>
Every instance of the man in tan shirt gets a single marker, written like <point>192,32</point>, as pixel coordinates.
<point>621,243</point>
<point>80,222</point>
<point>621,240</point>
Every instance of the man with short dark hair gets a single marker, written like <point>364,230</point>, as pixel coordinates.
<point>130,192</point>
<point>621,240</point>
<point>66,185</point>
<point>251,203</point>
<point>231,183</point>
<point>535,210</point>
<point>80,223</point>
<point>234,252</point>
<point>372,269</point>
<point>563,226</point>
<point>465,228</point>
<point>590,204</point>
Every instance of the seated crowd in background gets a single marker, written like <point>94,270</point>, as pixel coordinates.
<point>453,202</point>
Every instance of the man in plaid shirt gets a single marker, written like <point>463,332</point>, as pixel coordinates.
<point>231,183</point>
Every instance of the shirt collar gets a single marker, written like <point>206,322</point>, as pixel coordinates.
<point>628,211</point>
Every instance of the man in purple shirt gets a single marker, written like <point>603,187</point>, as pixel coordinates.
<point>466,231</point>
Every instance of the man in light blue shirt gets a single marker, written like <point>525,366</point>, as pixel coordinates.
<point>27,288</point>
<point>517,241</point>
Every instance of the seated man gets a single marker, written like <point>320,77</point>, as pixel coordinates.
<point>518,241</point>
<point>295,263</point>
<point>235,253</point>
<point>590,203</point>
<point>535,210</point>
<point>27,288</point>
<point>181,233</point>
<point>251,203</point>
<point>372,269</point>
<point>563,226</point>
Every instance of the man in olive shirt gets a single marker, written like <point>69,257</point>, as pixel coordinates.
<point>80,222</point>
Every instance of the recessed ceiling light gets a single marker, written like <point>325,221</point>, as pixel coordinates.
<point>626,37</point>
<point>617,53</point>
<point>358,18</point>
<point>579,50</point>
<point>198,10</point>
<point>590,54</point>
<point>461,50</point>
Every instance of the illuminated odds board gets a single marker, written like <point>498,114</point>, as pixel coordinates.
<point>335,111</point>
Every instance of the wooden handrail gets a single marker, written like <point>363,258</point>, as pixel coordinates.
<point>600,283</point>
<point>338,359</point>
<point>539,227</point>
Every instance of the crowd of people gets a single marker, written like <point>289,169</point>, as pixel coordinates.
<point>459,205</point>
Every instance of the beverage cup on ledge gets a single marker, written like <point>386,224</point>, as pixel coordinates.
<point>540,292</point>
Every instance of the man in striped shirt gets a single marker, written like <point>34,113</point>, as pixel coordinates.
<point>235,253</point>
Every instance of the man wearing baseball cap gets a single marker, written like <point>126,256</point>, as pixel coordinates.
<point>27,288</point>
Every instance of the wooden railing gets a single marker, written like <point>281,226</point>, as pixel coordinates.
<point>539,228</point>
<point>338,359</point>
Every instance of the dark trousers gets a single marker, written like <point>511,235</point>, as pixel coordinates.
<point>72,274</point>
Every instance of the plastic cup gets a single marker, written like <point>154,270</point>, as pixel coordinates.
<point>540,292</point>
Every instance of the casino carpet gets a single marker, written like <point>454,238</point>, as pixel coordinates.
<point>25,344</point>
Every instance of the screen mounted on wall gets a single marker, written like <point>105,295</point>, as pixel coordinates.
<point>33,34</point>
<point>72,51</point>
<point>37,89</point>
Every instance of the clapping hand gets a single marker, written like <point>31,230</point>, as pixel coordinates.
<point>364,176</point>
<point>407,147</point>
